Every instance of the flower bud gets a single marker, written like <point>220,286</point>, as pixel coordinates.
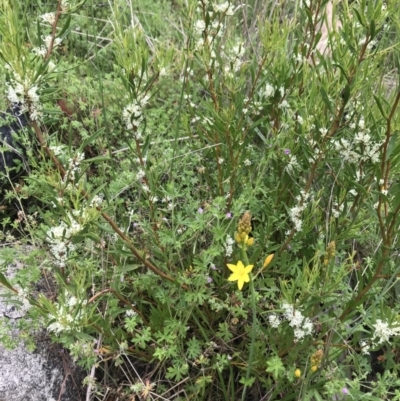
<point>268,260</point>
<point>250,241</point>
<point>297,373</point>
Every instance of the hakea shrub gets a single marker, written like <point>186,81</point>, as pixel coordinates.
<point>250,250</point>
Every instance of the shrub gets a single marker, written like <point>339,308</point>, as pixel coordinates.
<point>233,233</point>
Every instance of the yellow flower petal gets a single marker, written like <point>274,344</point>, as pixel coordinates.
<point>234,268</point>
<point>240,273</point>
<point>240,284</point>
<point>248,269</point>
<point>233,277</point>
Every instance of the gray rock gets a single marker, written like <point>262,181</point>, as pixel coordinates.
<point>26,376</point>
<point>46,374</point>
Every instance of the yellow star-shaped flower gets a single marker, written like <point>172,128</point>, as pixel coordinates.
<point>240,273</point>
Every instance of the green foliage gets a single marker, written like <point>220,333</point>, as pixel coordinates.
<point>163,154</point>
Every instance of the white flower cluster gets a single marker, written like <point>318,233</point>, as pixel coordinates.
<point>50,18</point>
<point>133,115</point>
<point>274,320</point>
<point>167,199</point>
<point>74,164</point>
<point>215,27</point>
<point>270,91</point>
<point>47,41</point>
<point>67,317</point>
<point>235,59</point>
<point>199,27</point>
<point>24,93</point>
<point>140,174</point>
<point>181,230</point>
<point>224,8</point>
<point>296,211</point>
<point>97,200</point>
<point>383,332</point>
<point>302,325</point>
<point>58,150</point>
<point>64,5</point>
<point>130,313</point>
<point>59,238</point>
<point>292,165</point>
<point>40,51</point>
<point>337,209</point>
<point>361,149</point>
<point>229,246</point>
<point>364,348</point>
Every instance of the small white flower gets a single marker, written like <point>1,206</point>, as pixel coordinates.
<point>47,41</point>
<point>302,325</point>
<point>364,348</point>
<point>247,162</point>
<point>224,8</point>
<point>40,51</point>
<point>163,72</point>
<point>274,320</point>
<point>64,5</point>
<point>284,104</point>
<point>140,174</point>
<point>229,246</point>
<point>199,27</point>
<point>220,160</point>
<point>383,332</point>
<point>130,313</point>
<point>269,91</point>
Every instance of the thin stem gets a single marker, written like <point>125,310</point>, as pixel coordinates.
<point>253,335</point>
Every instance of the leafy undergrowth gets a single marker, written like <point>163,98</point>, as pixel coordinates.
<point>214,193</point>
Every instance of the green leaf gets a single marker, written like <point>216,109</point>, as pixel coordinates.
<point>178,371</point>
<point>392,147</point>
<point>360,20</point>
<point>346,94</point>
<point>128,268</point>
<point>5,282</point>
<point>89,140</point>
<point>247,382</point>
<point>372,29</point>
<point>66,28</point>
<point>275,367</point>
<point>325,99</point>
<point>97,159</point>
<point>378,103</point>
